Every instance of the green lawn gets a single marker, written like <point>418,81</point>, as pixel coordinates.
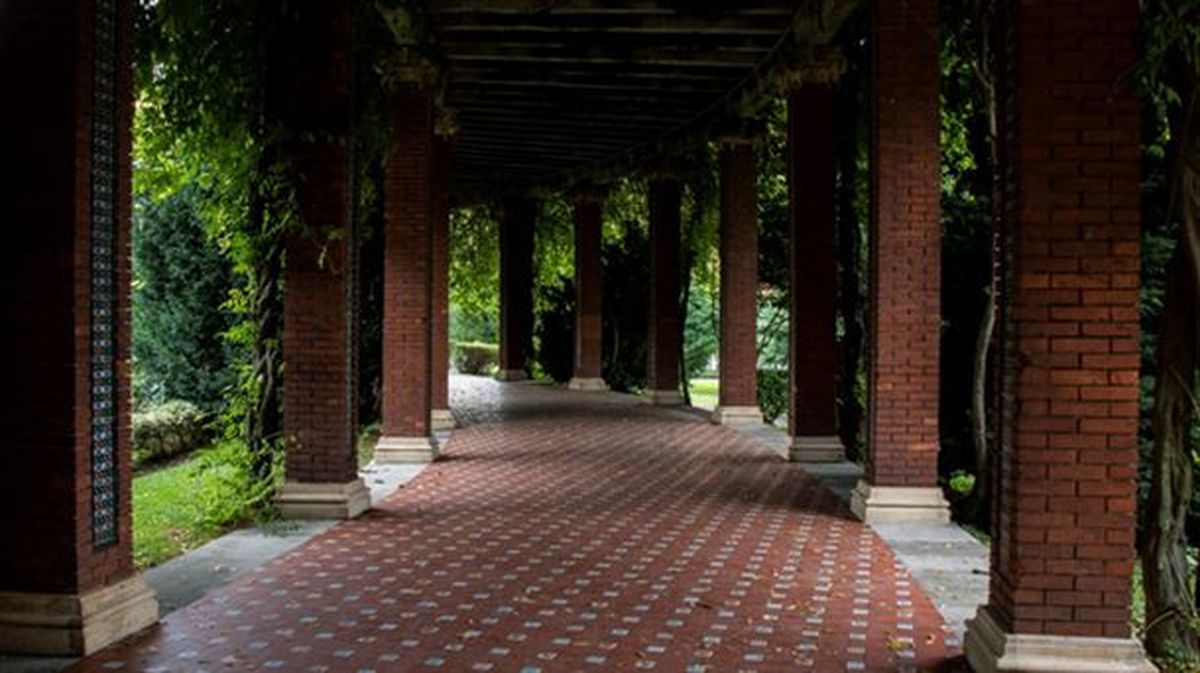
<point>172,510</point>
<point>704,393</point>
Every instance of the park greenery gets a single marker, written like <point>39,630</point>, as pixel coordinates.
<point>215,195</point>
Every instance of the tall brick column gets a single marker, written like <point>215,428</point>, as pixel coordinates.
<point>1063,550</point>
<point>320,285</point>
<point>738,393</point>
<point>662,361</point>
<point>905,280</point>
<point>517,221</point>
<point>812,221</point>
<point>409,212</point>
<point>440,417</point>
<point>589,211</point>
<point>67,582</point>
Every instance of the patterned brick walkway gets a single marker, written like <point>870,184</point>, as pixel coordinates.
<point>571,532</point>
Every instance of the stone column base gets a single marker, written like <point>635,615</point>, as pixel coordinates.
<point>817,450</point>
<point>511,375</point>
<point>884,504</point>
<point>406,450</point>
<point>737,416</point>
<point>663,398</point>
<point>588,385</point>
<point>300,500</point>
<point>441,420</point>
<point>990,650</point>
<point>75,624</point>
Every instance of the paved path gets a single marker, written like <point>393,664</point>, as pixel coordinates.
<point>566,532</point>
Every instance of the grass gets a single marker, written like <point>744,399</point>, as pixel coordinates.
<point>168,516</point>
<point>704,393</point>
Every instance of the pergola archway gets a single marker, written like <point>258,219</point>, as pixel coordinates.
<point>564,95</point>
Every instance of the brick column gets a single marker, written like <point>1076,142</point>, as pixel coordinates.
<point>905,280</point>
<point>738,394</point>
<point>589,211</point>
<point>67,582</point>
<point>662,360</point>
<point>319,308</point>
<point>517,221</point>
<point>440,417</point>
<point>409,212</point>
<point>812,221</point>
<point>1064,508</point>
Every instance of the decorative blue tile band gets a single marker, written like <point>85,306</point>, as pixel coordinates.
<point>105,499</point>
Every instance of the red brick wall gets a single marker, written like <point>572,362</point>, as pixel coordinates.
<point>407,271</point>
<point>905,322</point>
<point>46,540</point>
<point>739,274</point>
<point>588,343</point>
<point>318,317</point>
<point>1064,554</point>
<point>441,274</point>
<point>516,282</point>
<point>812,220</point>
<point>662,361</point>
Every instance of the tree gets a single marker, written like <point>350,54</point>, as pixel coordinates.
<point>181,284</point>
<point>1170,74</point>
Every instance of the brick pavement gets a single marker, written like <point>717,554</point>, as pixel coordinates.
<point>571,532</point>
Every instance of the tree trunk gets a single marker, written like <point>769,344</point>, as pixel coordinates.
<point>1170,601</point>
<point>264,420</point>
<point>981,494</point>
<point>1169,604</point>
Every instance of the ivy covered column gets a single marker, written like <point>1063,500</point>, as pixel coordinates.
<point>812,221</point>
<point>410,208</point>
<point>320,287</point>
<point>901,477</point>
<point>68,585</point>
<point>738,389</point>
<point>517,220</point>
<point>1065,495</point>
<point>662,360</point>
<point>589,213</point>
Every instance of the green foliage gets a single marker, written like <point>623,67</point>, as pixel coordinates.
<point>233,490</point>
<point>474,326</point>
<point>961,482</point>
<point>474,357</point>
<point>701,329</point>
<point>772,393</point>
<point>181,281</point>
<point>163,431</point>
<point>966,184</point>
<point>704,392</point>
<point>474,273</point>
<point>625,258</point>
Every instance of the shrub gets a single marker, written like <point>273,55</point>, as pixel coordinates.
<point>231,492</point>
<point>472,357</point>
<point>167,430</point>
<point>772,393</point>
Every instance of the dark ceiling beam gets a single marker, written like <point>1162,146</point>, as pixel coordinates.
<point>560,23</point>
<point>584,54</point>
<point>555,126</point>
<point>625,7</point>
<point>596,75</point>
<point>608,40</point>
